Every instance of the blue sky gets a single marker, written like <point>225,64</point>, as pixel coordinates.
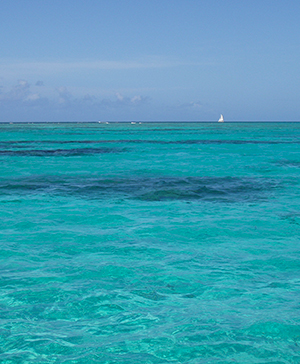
<point>149,60</point>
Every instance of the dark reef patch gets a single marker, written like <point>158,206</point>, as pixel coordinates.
<point>288,163</point>
<point>217,189</point>
<point>18,144</point>
<point>58,152</point>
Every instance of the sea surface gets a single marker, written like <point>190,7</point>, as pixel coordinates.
<point>150,243</point>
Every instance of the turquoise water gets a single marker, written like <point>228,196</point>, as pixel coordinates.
<point>150,243</point>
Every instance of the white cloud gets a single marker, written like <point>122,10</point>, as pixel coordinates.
<point>19,92</point>
<point>130,101</point>
<point>25,102</point>
<point>23,84</point>
<point>33,97</point>
<point>65,97</point>
<point>119,96</point>
<point>136,99</point>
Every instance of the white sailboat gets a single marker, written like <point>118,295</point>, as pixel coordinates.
<point>221,120</point>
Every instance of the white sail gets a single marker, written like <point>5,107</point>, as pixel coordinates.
<point>221,120</point>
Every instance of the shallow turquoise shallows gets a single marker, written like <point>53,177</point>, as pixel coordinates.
<point>150,243</point>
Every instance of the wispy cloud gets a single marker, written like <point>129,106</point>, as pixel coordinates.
<point>31,67</point>
<point>192,105</point>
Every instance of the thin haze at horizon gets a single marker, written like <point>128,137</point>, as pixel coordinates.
<point>149,60</point>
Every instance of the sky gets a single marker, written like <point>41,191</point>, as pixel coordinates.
<point>149,60</point>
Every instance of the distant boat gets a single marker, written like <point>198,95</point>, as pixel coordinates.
<point>221,120</point>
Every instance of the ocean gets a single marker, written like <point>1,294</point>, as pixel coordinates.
<point>150,243</point>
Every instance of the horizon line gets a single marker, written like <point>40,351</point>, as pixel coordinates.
<point>145,121</point>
